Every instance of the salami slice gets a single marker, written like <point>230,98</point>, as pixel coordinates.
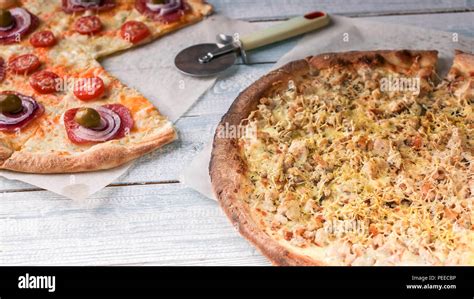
<point>125,116</point>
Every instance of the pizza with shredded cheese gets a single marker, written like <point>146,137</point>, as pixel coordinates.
<point>60,111</point>
<point>357,158</point>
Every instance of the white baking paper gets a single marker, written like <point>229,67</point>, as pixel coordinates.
<point>345,34</point>
<point>150,69</point>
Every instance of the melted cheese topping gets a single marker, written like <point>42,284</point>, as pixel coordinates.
<point>370,176</point>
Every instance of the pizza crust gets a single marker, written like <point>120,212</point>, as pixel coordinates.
<point>463,65</point>
<point>407,62</point>
<point>227,169</point>
<point>102,156</point>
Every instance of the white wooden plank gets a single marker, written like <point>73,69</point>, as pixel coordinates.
<point>153,225</point>
<point>281,9</point>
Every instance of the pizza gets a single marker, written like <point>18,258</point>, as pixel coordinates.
<point>60,111</point>
<point>356,158</point>
<point>104,27</point>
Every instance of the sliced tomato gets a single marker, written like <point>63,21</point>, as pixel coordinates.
<point>44,82</point>
<point>43,39</point>
<point>24,64</point>
<point>134,31</point>
<point>88,25</point>
<point>87,89</point>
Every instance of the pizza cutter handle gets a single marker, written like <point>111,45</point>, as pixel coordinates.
<point>292,27</point>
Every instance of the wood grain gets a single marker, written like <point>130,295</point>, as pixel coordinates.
<point>162,225</point>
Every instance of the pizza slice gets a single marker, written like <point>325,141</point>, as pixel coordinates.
<point>108,26</point>
<point>62,112</point>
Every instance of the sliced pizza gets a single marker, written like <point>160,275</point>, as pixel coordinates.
<point>77,116</point>
<point>108,26</point>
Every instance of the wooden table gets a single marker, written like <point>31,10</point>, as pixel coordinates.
<point>148,217</point>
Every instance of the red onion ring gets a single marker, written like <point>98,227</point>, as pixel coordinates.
<point>29,107</point>
<point>164,9</point>
<point>110,125</point>
<point>71,6</point>
<point>85,4</point>
<point>22,24</point>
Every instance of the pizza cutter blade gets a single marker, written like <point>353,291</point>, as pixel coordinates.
<point>209,59</point>
<point>187,61</point>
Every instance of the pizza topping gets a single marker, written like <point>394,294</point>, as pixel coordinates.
<point>18,22</point>
<point>134,31</point>
<point>44,82</point>
<point>72,6</point>
<point>10,103</point>
<point>87,89</point>
<point>107,122</point>
<point>43,39</point>
<point>17,110</point>
<point>333,166</point>
<point>166,11</point>
<point>89,118</point>
<point>88,25</point>
<point>24,64</point>
<point>6,20</point>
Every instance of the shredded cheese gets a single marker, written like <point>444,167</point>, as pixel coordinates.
<point>335,148</point>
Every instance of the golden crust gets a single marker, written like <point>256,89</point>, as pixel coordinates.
<point>201,6</point>
<point>408,62</point>
<point>102,156</point>
<point>5,152</point>
<point>227,169</point>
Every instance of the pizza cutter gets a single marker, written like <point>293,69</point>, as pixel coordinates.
<point>210,59</point>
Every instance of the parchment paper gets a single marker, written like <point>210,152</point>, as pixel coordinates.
<point>345,34</point>
<point>150,69</point>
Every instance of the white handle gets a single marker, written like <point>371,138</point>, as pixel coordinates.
<point>292,27</point>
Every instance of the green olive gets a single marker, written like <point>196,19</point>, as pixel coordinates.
<point>10,103</point>
<point>87,117</point>
<point>158,1</point>
<point>6,18</point>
